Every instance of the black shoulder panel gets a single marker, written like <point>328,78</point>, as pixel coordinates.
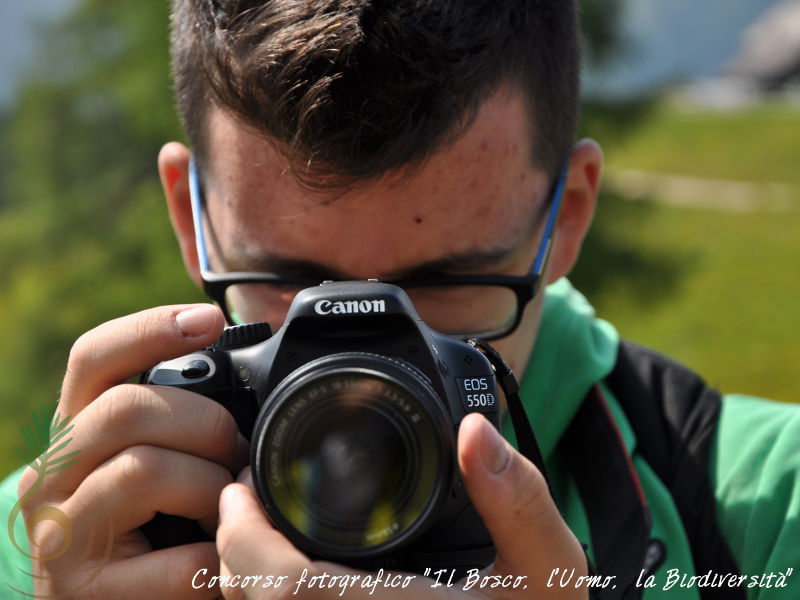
<point>674,415</point>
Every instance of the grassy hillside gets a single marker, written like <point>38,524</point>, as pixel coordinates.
<point>759,144</point>
<point>716,289</point>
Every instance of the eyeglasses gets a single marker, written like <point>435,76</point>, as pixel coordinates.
<point>486,306</point>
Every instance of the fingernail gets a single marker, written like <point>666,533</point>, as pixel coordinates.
<point>196,321</point>
<point>245,477</point>
<point>494,450</point>
<point>229,499</point>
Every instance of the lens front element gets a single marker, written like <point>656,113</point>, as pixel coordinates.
<point>352,458</point>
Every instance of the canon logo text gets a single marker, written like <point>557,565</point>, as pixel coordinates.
<point>349,307</point>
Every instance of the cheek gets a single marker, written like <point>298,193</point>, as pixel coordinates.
<point>516,348</point>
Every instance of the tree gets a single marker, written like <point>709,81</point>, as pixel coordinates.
<point>84,234</point>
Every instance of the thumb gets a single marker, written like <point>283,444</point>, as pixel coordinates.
<point>512,497</point>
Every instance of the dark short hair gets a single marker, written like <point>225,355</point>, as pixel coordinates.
<point>351,89</point>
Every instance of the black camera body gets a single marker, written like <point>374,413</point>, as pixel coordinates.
<point>352,410</point>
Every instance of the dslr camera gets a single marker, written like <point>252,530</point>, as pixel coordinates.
<point>352,409</point>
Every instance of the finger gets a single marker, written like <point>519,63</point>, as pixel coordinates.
<point>512,497</point>
<point>179,573</point>
<point>248,544</point>
<point>125,347</point>
<point>129,415</point>
<point>131,487</point>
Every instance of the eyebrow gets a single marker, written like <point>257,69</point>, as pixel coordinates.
<point>452,263</point>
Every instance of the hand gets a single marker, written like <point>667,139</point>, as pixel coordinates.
<point>142,449</point>
<point>507,490</point>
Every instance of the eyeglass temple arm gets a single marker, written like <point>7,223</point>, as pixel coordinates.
<point>543,254</point>
<point>196,195</point>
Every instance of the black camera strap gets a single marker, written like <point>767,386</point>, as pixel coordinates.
<point>526,439</point>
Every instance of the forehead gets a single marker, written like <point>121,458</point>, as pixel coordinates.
<point>477,193</point>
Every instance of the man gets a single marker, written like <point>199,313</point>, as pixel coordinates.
<point>356,140</point>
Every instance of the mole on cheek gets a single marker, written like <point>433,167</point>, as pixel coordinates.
<point>417,220</point>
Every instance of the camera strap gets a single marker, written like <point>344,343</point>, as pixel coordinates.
<point>526,439</point>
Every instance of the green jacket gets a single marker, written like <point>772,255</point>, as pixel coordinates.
<point>755,463</point>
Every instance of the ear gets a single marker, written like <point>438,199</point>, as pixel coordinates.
<point>577,210</point>
<point>173,167</point>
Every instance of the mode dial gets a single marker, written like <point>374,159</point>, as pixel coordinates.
<point>242,335</point>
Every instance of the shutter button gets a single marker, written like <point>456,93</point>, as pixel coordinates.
<point>195,369</point>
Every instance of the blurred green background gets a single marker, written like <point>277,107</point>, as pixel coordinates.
<point>695,250</point>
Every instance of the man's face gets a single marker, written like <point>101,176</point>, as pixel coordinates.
<point>479,197</point>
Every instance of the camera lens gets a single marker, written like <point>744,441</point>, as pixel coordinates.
<point>352,455</point>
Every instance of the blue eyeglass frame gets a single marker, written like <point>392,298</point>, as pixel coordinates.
<point>525,287</point>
